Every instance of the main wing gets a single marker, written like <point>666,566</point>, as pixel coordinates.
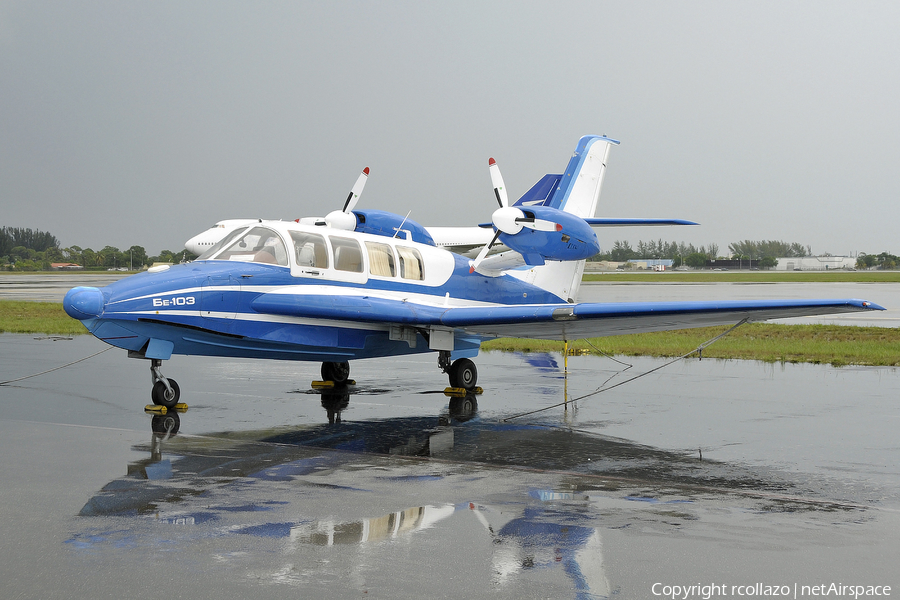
<point>577,321</point>
<point>550,321</point>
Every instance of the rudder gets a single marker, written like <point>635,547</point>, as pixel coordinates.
<point>579,189</point>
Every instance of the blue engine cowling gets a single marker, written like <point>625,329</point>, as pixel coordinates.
<point>571,239</point>
<point>379,222</point>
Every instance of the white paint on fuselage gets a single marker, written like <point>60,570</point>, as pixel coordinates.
<point>461,240</point>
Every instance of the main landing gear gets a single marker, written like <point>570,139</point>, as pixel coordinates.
<point>338,372</point>
<point>165,391</point>
<point>462,371</point>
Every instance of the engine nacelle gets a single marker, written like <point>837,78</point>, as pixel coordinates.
<point>379,222</point>
<point>571,238</point>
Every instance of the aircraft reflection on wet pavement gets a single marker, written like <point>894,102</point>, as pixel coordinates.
<point>332,485</point>
<point>203,484</point>
<point>462,406</point>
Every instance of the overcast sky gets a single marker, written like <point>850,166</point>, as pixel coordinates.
<point>146,122</point>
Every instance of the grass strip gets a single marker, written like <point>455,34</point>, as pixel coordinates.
<point>837,345</point>
<point>23,316</point>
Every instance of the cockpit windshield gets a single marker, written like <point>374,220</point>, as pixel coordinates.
<point>259,244</point>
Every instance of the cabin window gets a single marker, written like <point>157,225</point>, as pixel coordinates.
<point>410,263</point>
<point>381,259</point>
<point>347,255</point>
<point>260,244</point>
<point>310,250</point>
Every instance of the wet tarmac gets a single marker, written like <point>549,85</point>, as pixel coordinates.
<point>726,473</point>
<point>50,287</point>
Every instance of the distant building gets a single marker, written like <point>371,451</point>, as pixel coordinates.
<point>651,264</point>
<point>65,267</point>
<point>593,266</point>
<point>815,263</point>
<point>644,264</point>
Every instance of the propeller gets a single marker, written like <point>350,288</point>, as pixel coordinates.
<point>353,196</point>
<point>344,219</point>
<point>508,219</point>
<point>497,181</point>
<point>484,251</point>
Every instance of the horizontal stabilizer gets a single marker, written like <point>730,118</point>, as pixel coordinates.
<point>637,222</point>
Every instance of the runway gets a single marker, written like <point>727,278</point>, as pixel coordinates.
<point>723,472</point>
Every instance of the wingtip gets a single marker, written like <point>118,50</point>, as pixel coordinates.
<point>491,162</point>
<point>366,171</point>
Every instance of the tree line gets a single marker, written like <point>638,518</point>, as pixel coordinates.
<point>622,251</point>
<point>31,250</point>
<point>764,251</point>
<point>14,237</point>
<point>884,260</point>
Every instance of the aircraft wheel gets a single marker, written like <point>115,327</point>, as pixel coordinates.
<point>164,397</point>
<point>463,409</point>
<point>167,424</point>
<point>463,374</point>
<point>338,372</point>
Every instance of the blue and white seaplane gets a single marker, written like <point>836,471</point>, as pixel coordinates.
<point>362,284</point>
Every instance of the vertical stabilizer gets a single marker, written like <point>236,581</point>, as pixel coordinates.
<point>579,189</point>
<point>578,194</point>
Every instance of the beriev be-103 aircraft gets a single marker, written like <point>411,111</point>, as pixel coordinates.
<point>367,284</point>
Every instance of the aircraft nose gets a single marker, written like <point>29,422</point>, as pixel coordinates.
<point>83,303</point>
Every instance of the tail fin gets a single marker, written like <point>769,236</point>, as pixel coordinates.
<point>577,193</point>
<point>579,189</point>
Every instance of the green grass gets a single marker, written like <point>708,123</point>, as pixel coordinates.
<point>20,316</point>
<point>829,344</point>
<point>749,276</point>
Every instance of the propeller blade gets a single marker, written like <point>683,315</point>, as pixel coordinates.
<point>481,255</point>
<point>497,181</point>
<point>357,190</point>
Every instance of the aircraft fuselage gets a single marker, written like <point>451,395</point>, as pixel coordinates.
<point>239,304</point>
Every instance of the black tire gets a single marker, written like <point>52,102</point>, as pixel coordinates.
<point>463,409</point>
<point>161,396</point>
<point>463,374</point>
<point>167,424</point>
<point>338,372</point>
